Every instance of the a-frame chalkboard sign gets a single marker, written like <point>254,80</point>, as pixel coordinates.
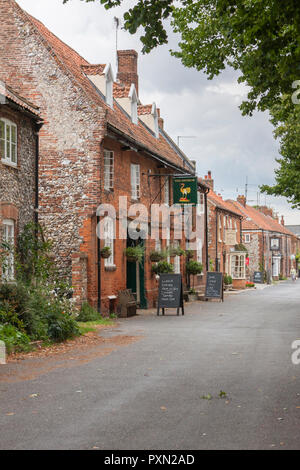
<point>214,288</point>
<point>170,294</point>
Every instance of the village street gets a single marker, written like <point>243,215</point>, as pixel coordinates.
<point>162,389</point>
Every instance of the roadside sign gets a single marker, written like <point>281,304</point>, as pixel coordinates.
<point>214,286</point>
<point>185,190</point>
<point>170,294</point>
<point>258,277</point>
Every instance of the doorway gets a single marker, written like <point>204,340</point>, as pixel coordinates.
<point>135,275</point>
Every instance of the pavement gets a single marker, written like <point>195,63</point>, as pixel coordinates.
<point>219,377</point>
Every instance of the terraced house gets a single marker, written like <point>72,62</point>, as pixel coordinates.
<point>271,246</point>
<point>19,126</point>
<point>98,142</point>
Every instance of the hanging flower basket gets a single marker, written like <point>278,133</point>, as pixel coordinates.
<point>134,253</point>
<point>105,252</point>
<point>175,251</point>
<point>156,256</point>
<point>189,254</point>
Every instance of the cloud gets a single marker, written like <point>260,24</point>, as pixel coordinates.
<point>233,147</point>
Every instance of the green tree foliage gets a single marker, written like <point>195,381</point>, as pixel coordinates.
<point>260,38</point>
<point>286,119</point>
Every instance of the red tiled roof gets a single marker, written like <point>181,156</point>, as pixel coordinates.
<point>95,69</point>
<point>13,96</point>
<point>254,219</point>
<point>145,109</point>
<point>218,202</point>
<point>121,90</point>
<point>71,62</point>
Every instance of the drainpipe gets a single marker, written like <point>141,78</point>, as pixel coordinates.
<point>206,230</point>
<point>216,262</point>
<point>99,270</point>
<point>36,169</point>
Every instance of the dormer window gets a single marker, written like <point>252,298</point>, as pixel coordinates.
<point>109,85</point>
<point>134,101</point>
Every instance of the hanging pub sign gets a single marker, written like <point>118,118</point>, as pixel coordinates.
<point>185,190</point>
<point>275,243</point>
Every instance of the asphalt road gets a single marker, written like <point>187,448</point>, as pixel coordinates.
<point>162,391</point>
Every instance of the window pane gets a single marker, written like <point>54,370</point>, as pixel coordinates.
<point>2,130</point>
<point>13,134</point>
<point>14,153</point>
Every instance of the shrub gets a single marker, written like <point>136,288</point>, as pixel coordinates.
<point>194,267</point>
<point>227,280</point>
<point>163,267</point>
<point>14,339</point>
<point>88,313</point>
<point>61,326</point>
<point>135,253</point>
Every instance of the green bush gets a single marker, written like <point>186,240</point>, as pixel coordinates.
<point>163,267</point>
<point>194,267</point>
<point>88,313</point>
<point>14,339</point>
<point>227,279</point>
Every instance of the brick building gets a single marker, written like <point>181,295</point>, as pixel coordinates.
<point>98,142</point>
<point>224,236</point>
<point>271,246</point>
<point>19,126</point>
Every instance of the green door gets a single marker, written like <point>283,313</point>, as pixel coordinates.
<point>135,275</point>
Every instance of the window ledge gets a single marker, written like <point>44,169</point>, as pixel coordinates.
<point>110,268</point>
<point>8,163</point>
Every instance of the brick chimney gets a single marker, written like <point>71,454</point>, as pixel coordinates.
<point>127,68</point>
<point>282,220</point>
<point>160,119</point>
<point>208,180</point>
<point>242,200</point>
<point>266,210</point>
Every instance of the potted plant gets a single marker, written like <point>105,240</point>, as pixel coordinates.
<point>156,256</point>
<point>175,251</point>
<point>134,253</point>
<point>105,252</point>
<point>194,267</point>
<point>227,282</point>
<point>189,254</point>
<point>192,295</point>
<point>162,267</point>
<point>249,284</point>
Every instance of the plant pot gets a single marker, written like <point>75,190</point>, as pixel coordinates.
<point>105,255</point>
<point>228,286</point>
<point>132,259</point>
<point>155,258</point>
<point>193,297</point>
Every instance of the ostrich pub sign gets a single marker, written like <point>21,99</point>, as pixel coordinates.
<point>185,190</point>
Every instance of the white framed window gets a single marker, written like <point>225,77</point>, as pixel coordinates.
<point>247,238</point>
<point>167,190</point>
<point>108,170</point>
<point>168,237</point>
<point>220,229</point>
<point>199,250</point>
<point>176,259</point>
<point>135,181</point>
<point>158,245</point>
<point>109,240</point>
<point>200,203</point>
<point>8,268</point>
<point>8,142</point>
<point>238,265</point>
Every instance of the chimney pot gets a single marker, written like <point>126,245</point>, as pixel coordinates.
<point>242,200</point>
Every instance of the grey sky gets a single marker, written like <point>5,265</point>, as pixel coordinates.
<point>229,145</point>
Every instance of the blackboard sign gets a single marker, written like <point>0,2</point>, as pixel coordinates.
<point>258,277</point>
<point>214,286</point>
<point>170,294</point>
